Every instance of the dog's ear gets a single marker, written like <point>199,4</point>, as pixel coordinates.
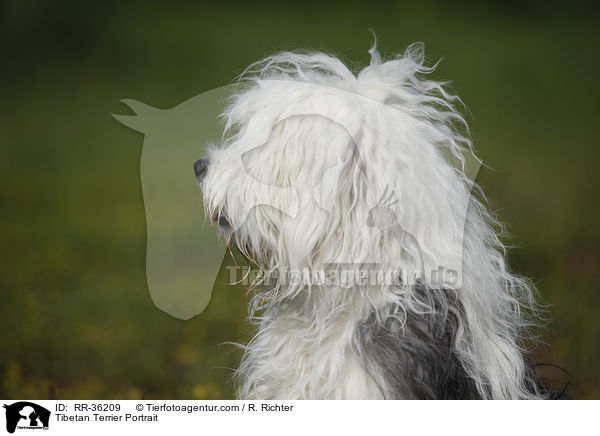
<point>313,157</point>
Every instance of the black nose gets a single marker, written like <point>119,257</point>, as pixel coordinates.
<point>200,167</point>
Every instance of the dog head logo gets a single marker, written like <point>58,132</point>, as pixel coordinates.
<point>26,415</point>
<point>303,170</point>
<point>357,180</point>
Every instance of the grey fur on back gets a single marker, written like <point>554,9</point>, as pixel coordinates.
<point>416,352</point>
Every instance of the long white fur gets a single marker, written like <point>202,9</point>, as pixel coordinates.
<point>408,131</point>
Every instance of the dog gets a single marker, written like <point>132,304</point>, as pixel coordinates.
<point>323,170</point>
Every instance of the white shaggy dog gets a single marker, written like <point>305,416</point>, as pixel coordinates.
<point>322,169</point>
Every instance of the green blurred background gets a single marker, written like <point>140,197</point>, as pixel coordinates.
<point>75,313</point>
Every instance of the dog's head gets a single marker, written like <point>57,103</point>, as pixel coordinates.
<point>320,166</point>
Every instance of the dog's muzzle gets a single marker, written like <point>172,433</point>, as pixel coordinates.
<point>200,169</point>
<point>219,218</point>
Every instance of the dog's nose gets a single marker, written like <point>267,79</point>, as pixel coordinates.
<point>200,167</point>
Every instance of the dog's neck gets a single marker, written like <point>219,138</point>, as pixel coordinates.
<point>306,348</point>
<point>358,343</point>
